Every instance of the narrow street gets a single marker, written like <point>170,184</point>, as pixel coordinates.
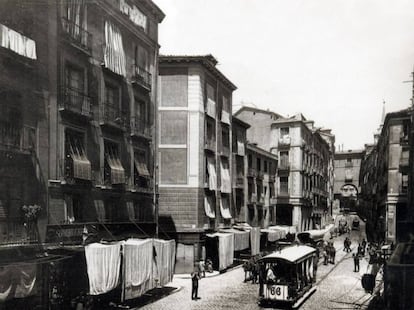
<point>338,287</point>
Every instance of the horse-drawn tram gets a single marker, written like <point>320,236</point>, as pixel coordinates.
<point>287,276</point>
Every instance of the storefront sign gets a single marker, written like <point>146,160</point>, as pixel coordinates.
<point>134,14</point>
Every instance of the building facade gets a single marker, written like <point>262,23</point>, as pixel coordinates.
<point>305,173</point>
<point>261,191</point>
<point>239,174</point>
<point>385,179</point>
<point>195,152</point>
<point>346,186</point>
<point>102,99</point>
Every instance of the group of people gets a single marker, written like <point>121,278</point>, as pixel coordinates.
<point>347,245</point>
<point>329,253</point>
<point>251,269</point>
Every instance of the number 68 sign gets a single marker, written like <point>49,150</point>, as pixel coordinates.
<point>278,292</point>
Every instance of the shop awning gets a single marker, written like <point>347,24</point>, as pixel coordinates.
<point>165,261</point>
<point>225,208</point>
<point>141,167</point>
<point>255,240</point>
<point>241,238</point>
<point>209,206</point>
<point>273,235</point>
<point>117,171</point>
<point>225,249</point>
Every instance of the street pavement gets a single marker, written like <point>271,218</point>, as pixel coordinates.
<point>338,287</point>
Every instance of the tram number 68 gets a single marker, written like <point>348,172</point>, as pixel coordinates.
<point>275,290</point>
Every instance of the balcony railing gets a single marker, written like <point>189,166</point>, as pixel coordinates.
<point>284,141</point>
<point>21,138</point>
<point>75,101</point>
<point>143,187</point>
<point>112,116</point>
<point>284,166</point>
<point>349,165</point>
<point>77,35</point>
<point>284,192</point>
<point>140,128</point>
<point>142,77</point>
<point>273,200</point>
<point>14,233</point>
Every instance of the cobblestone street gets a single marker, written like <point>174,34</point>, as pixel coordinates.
<point>337,287</point>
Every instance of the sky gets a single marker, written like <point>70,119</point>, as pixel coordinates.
<point>334,61</point>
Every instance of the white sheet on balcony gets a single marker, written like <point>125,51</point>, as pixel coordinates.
<point>241,238</point>
<point>240,148</point>
<point>225,117</point>
<point>114,55</point>
<point>103,263</point>
<point>17,42</point>
<point>225,177</point>
<point>225,208</point>
<point>212,178</point>
<point>255,240</point>
<point>225,248</point>
<point>138,266</point>
<point>209,206</point>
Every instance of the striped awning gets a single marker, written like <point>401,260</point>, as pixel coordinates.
<point>117,171</point>
<point>141,167</point>
<point>225,208</point>
<point>209,206</point>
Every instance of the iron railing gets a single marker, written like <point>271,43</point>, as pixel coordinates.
<point>77,35</point>
<point>142,77</point>
<point>76,102</point>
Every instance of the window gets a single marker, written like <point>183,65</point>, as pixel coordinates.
<point>284,185</point>
<point>76,162</point>
<point>250,161</point>
<point>225,137</point>
<point>211,101</point>
<point>112,103</point>
<point>141,172</point>
<point>284,131</point>
<point>225,176</point>
<point>225,113</point>
<point>284,159</point>
<point>74,78</point>
<point>73,208</point>
<point>258,164</point>
<point>74,19</point>
<point>265,166</point>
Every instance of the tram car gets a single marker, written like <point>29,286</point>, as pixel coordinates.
<point>287,277</point>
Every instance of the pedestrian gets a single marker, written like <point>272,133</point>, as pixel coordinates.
<point>359,249</point>
<point>356,262</point>
<point>346,244</point>
<point>363,245</point>
<point>246,268</point>
<point>348,247</point>
<point>195,276</point>
<point>202,269</point>
<point>325,255</point>
<point>209,265</point>
<point>332,253</point>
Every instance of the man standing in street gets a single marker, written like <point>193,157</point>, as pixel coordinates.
<point>195,276</point>
<point>356,262</point>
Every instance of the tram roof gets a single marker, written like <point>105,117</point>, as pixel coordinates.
<point>291,254</point>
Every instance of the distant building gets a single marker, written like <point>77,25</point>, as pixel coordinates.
<point>195,153</point>
<point>304,165</point>
<point>261,192</point>
<point>346,186</point>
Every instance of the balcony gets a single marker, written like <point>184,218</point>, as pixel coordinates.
<point>283,166</point>
<point>273,200</point>
<point>112,116</point>
<point>252,198</point>
<point>76,35</point>
<point>283,192</point>
<point>284,142</point>
<point>143,185</point>
<point>140,128</point>
<point>238,181</point>
<point>75,102</point>
<point>251,173</point>
<point>260,175</point>
<point>17,138</point>
<point>142,77</point>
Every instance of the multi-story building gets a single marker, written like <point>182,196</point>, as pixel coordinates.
<point>239,175</point>
<point>388,163</point>
<point>261,195</point>
<point>330,139</point>
<point>346,185</point>
<point>304,153</point>
<point>304,158</point>
<point>23,121</point>
<point>102,111</point>
<point>195,152</point>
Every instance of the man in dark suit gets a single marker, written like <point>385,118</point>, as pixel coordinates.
<point>195,276</point>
